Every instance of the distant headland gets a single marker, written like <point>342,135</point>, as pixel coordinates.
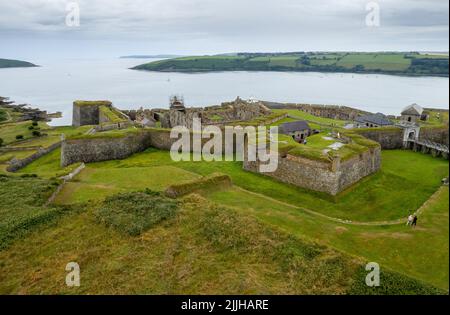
<point>395,63</point>
<point>149,56</point>
<point>10,63</point>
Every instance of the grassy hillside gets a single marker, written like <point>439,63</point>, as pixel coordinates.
<point>22,206</point>
<point>200,248</point>
<point>390,195</point>
<point>9,63</point>
<point>389,63</point>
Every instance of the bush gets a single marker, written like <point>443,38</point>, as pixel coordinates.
<point>22,207</point>
<point>36,133</point>
<point>392,283</point>
<point>19,137</point>
<point>34,123</point>
<point>1,142</point>
<point>134,213</point>
<point>28,176</point>
<point>30,128</point>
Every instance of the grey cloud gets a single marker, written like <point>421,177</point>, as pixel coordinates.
<point>237,24</point>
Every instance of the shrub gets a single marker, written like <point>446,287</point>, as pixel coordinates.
<point>134,213</point>
<point>28,176</point>
<point>19,137</point>
<point>22,206</point>
<point>1,142</point>
<point>391,283</point>
<point>34,123</point>
<point>30,127</point>
<point>36,133</point>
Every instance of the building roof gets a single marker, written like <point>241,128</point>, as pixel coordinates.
<point>377,119</point>
<point>294,126</point>
<point>413,109</point>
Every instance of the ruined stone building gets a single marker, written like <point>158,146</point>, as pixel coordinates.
<point>96,113</point>
<point>229,112</point>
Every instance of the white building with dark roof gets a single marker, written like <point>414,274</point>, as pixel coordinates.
<point>372,121</point>
<point>298,130</point>
<point>412,113</point>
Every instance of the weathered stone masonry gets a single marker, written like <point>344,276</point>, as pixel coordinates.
<point>106,148</point>
<point>392,138</point>
<point>328,177</point>
<point>95,149</point>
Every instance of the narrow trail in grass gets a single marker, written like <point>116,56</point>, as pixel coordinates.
<point>349,222</point>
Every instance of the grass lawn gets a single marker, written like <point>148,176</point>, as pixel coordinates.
<point>301,115</point>
<point>44,141</point>
<point>421,252</point>
<point>406,181</point>
<point>205,249</point>
<point>9,131</point>
<point>387,62</point>
<point>68,131</point>
<point>436,118</point>
<point>48,166</point>
<point>22,206</point>
<point>97,183</point>
<point>7,156</point>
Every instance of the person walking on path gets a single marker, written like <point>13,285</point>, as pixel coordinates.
<point>414,222</point>
<point>410,220</point>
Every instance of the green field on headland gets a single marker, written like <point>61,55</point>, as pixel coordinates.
<point>400,63</point>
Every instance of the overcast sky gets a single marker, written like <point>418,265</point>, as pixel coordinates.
<point>37,28</point>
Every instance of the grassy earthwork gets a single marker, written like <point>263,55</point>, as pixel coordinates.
<point>257,236</point>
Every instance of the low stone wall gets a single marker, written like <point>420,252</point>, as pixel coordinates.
<point>98,149</point>
<point>329,111</point>
<point>160,139</point>
<point>435,134</point>
<point>358,167</point>
<point>65,179</point>
<point>391,138</point>
<point>331,178</point>
<point>16,165</point>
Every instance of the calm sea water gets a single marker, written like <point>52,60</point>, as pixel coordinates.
<point>56,84</point>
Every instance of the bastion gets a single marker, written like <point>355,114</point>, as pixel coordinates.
<point>96,113</point>
<point>331,174</point>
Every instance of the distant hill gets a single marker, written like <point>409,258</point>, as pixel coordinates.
<point>9,63</point>
<point>399,63</point>
<point>149,56</point>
